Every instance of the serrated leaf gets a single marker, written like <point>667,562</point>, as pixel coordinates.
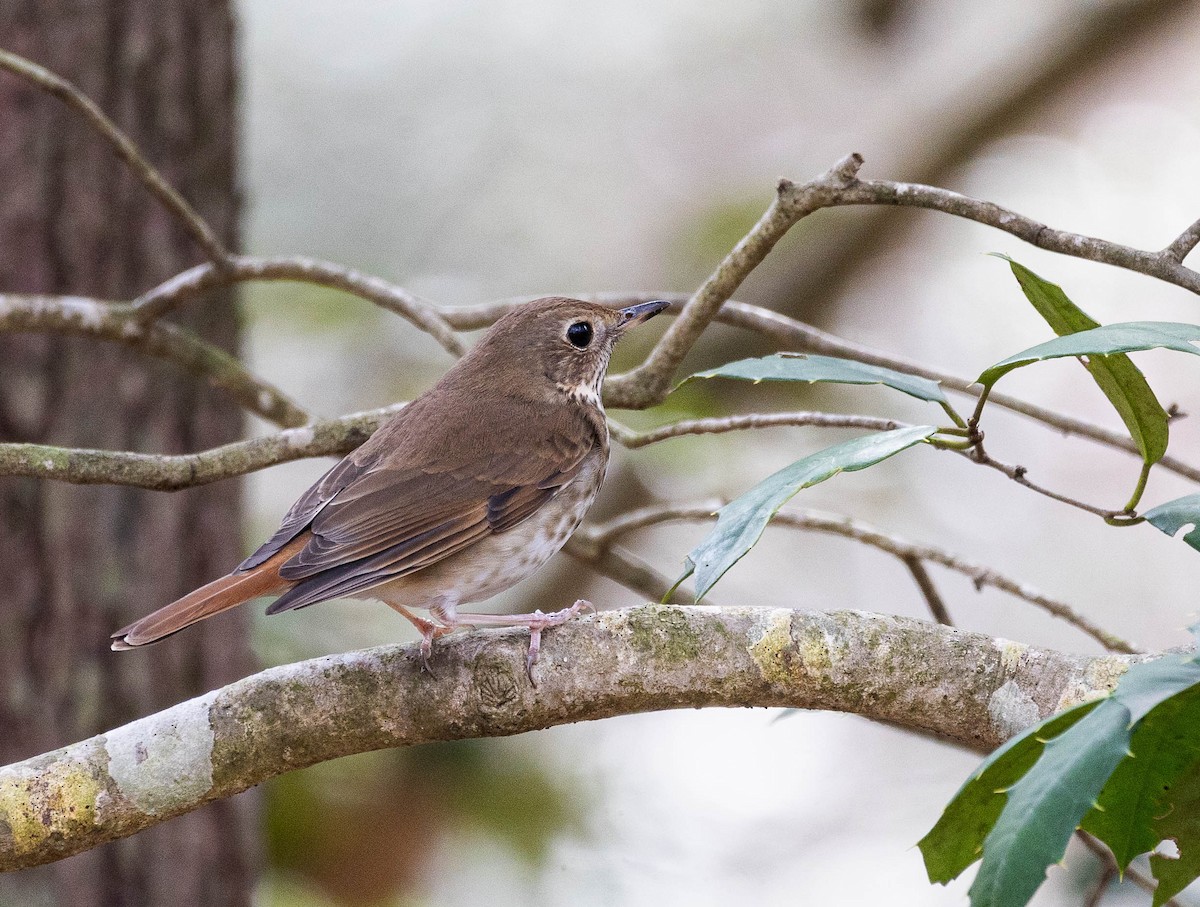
<point>1118,378</point>
<point>1165,744</point>
<point>1045,807</point>
<point>1125,337</point>
<point>956,841</point>
<point>741,522</point>
<point>812,368</point>
<point>1174,515</point>
<point>1146,686</point>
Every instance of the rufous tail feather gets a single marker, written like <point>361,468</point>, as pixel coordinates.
<point>219,595</point>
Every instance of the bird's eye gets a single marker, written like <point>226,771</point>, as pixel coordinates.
<point>580,334</point>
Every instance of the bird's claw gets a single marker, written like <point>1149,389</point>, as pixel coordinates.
<point>539,622</point>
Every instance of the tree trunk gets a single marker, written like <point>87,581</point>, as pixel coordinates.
<point>82,561</point>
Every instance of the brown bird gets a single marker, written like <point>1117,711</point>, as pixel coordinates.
<point>463,493</point>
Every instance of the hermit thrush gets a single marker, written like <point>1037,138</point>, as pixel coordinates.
<point>464,492</point>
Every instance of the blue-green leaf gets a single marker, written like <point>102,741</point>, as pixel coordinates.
<point>1174,515</point>
<point>956,841</point>
<point>812,368</point>
<point>1121,381</point>
<point>1125,337</point>
<point>741,522</point>
<point>1045,807</point>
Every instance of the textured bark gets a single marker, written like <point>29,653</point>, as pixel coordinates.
<point>82,561</point>
<point>966,687</point>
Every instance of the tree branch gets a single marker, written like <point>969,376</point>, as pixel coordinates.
<point>162,472</point>
<point>650,382</point>
<point>613,663</point>
<point>106,321</point>
<point>243,268</point>
<point>124,147</point>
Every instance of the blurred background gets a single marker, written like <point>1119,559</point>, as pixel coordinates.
<point>471,151</point>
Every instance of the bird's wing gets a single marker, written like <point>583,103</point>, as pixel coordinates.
<point>404,506</point>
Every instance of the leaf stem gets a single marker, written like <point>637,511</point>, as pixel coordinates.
<point>1139,488</point>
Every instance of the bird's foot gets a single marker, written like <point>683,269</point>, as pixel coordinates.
<point>539,622</point>
<point>535,623</point>
<point>429,632</point>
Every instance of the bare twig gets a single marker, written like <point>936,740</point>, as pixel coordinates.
<point>125,149</point>
<point>627,437</point>
<point>242,268</point>
<point>627,569</point>
<point>102,321</point>
<point>332,437</point>
<point>607,533</point>
<point>611,663</point>
<point>650,382</point>
<point>937,607</point>
<point>1132,873</point>
<point>717,425</point>
<point>913,195</point>
<point>1019,475</point>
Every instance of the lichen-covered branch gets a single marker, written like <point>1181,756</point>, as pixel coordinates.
<point>173,344</point>
<point>163,472</point>
<point>965,687</point>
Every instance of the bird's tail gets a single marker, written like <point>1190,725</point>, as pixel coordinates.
<point>219,595</point>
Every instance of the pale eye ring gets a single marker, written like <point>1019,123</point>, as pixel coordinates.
<point>580,334</point>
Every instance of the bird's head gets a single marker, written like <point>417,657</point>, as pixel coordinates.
<point>560,345</point>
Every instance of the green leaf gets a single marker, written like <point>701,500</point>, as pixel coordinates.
<point>812,368</point>
<point>1142,790</point>
<point>1181,823</point>
<point>741,522</point>
<point>1174,515</point>
<point>1126,337</point>
<point>956,841</point>
<point>1121,381</point>
<point>1045,807</point>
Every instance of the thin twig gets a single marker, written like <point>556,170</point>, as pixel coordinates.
<point>716,425</point>
<point>627,569</point>
<point>180,347</point>
<point>243,268</point>
<point>124,147</point>
<point>1019,475</point>
<point>1077,245</point>
<point>650,382</point>
<point>937,607</point>
<point>1132,873</point>
<point>629,438</point>
<point>160,472</point>
<point>609,532</point>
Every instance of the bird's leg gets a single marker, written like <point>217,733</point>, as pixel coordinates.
<point>428,629</point>
<point>535,623</point>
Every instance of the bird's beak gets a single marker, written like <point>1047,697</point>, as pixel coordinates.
<point>643,311</point>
